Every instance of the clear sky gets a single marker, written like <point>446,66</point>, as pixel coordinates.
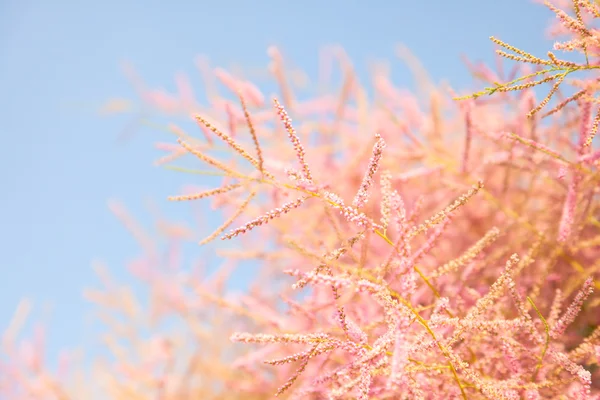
<point>61,161</point>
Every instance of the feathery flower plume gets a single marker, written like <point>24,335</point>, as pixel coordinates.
<point>362,196</point>
<point>287,122</point>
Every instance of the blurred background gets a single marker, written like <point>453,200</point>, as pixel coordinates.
<point>61,61</point>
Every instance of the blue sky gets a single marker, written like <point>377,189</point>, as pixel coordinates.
<point>61,60</point>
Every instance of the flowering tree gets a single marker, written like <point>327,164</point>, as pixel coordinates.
<point>412,247</point>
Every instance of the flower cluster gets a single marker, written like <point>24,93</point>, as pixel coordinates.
<point>408,248</point>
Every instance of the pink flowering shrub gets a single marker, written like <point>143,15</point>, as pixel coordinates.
<point>409,248</point>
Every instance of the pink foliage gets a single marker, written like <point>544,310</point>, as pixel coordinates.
<point>409,248</point>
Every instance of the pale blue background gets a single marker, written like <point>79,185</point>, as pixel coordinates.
<point>60,161</point>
